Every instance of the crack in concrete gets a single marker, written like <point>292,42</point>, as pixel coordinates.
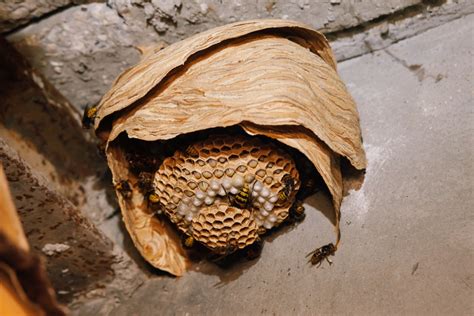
<point>38,19</point>
<point>416,69</point>
<point>416,16</point>
<point>393,17</point>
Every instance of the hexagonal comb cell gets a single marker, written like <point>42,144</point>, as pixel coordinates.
<point>224,229</point>
<point>223,190</point>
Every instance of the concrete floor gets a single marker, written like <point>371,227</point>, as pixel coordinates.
<point>408,234</point>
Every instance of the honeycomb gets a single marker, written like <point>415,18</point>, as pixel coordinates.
<point>224,229</point>
<point>225,191</point>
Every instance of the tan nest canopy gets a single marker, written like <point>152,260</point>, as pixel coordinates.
<point>275,78</point>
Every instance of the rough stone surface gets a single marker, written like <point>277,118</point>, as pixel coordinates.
<point>50,220</point>
<point>82,49</point>
<point>14,13</point>
<point>177,19</point>
<point>55,177</point>
<point>407,244</point>
<point>384,32</point>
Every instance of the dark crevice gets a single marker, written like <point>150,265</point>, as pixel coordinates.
<point>46,16</point>
<point>402,14</point>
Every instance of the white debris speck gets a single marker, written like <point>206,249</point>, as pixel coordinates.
<point>52,249</point>
<point>37,79</point>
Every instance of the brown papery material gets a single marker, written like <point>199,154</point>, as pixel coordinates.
<point>271,77</point>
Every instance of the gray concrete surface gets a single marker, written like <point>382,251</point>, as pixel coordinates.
<point>14,13</point>
<point>408,234</point>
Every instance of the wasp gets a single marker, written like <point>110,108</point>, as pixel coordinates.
<point>318,255</point>
<point>192,151</point>
<point>153,198</point>
<point>188,242</point>
<point>123,187</point>
<point>242,198</point>
<point>154,203</point>
<point>89,116</point>
<point>288,187</point>
<point>297,211</point>
<point>145,181</point>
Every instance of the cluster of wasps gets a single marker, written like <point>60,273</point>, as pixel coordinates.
<point>241,200</point>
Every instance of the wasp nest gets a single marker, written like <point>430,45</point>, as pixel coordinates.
<point>195,185</point>
<point>276,83</point>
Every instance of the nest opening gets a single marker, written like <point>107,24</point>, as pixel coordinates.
<point>155,168</point>
<point>145,157</point>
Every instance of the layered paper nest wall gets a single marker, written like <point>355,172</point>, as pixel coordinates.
<point>275,78</point>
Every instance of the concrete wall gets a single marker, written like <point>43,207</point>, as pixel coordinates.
<point>82,48</point>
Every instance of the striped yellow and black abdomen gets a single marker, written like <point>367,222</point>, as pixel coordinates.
<point>242,198</point>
